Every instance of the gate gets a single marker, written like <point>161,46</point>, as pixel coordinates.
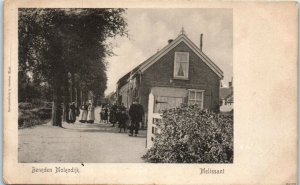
<point>159,101</point>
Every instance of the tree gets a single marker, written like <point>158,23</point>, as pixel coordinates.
<point>62,45</point>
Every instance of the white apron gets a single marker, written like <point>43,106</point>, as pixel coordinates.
<point>91,113</point>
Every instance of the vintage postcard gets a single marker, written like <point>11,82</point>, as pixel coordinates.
<point>150,92</point>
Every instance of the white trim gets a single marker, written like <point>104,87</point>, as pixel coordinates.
<point>196,90</point>
<point>192,46</point>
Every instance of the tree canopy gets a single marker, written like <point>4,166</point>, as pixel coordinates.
<point>63,49</point>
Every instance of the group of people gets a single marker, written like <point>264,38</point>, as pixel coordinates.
<point>70,112</point>
<point>87,113</point>
<point>117,114</point>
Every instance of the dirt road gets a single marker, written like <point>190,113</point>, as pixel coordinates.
<point>80,143</point>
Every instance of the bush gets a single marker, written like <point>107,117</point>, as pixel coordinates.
<point>28,118</point>
<point>44,113</point>
<point>189,134</point>
<point>32,117</point>
<point>24,105</point>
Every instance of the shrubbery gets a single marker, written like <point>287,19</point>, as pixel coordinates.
<point>28,118</point>
<point>32,117</point>
<point>189,134</point>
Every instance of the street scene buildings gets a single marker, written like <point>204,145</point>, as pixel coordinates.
<point>179,73</point>
<point>173,99</point>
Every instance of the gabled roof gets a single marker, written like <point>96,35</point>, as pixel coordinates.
<point>181,38</point>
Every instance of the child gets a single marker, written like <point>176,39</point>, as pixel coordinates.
<point>122,120</point>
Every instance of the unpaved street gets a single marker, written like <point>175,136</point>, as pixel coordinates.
<point>80,143</point>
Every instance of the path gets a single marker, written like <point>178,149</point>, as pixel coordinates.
<point>80,142</point>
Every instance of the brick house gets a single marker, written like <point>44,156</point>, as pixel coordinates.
<point>179,73</point>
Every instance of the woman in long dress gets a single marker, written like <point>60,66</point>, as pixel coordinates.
<point>83,113</point>
<point>91,113</point>
<point>102,114</point>
<point>66,112</point>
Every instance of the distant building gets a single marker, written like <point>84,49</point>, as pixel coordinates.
<point>179,73</point>
<point>226,98</point>
<point>111,98</point>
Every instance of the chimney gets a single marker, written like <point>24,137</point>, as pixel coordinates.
<point>170,40</point>
<point>201,38</point>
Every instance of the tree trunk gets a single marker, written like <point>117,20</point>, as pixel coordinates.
<point>72,85</point>
<point>78,100</point>
<point>56,109</point>
<point>81,100</point>
<point>65,100</point>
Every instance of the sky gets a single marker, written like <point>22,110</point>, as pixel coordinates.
<point>150,29</point>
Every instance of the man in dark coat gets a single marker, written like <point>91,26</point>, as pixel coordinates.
<point>113,114</point>
<point>66,112</point>
<point>123,117</point>
<point>72,115</point>
<point>136,113</point>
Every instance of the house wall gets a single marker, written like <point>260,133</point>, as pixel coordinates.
<point>123,91</point>
<point>201,77</point>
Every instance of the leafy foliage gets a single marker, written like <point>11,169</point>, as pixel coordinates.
<point>189,134</point>
<point>31,117</point>
<point>63,49</point>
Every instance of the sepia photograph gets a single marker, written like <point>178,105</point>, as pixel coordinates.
<point>109,85</point>
<point>150,92</point>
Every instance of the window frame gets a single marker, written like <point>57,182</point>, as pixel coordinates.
<point>195,99</point>
<point>187,67</point>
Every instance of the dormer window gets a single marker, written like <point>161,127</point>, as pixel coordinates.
<point>181,65</point>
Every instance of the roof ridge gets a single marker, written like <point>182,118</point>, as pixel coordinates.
<point>152,59</point>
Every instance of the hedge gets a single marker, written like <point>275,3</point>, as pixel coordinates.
<point>32,117</point>
<point>189,134</point>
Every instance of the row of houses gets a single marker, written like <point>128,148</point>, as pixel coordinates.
<point>178,73</point>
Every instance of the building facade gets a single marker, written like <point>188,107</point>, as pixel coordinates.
<point>179,73</point>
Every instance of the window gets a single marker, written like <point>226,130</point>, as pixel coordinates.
<point>181,65</point>
<point>195,97</point>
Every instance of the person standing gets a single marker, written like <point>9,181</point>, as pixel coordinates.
<point>122,107</point>
<point>77,111</point>
<point>123,117</point>
<point>91,113</point>
<point>118,115</point>
<point>105,117</point>
<point>136,115</point>
<point>113,114</point>
<point>66,113</point>
<point>141,114</point>
<point>83,113</point>
<point>72,116</point>
<point>102,114</point>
